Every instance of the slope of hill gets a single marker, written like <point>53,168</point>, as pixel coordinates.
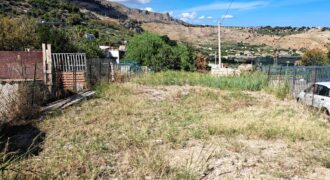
<point>308,39</point>
<point>164,24</point>
<point>119,11</point>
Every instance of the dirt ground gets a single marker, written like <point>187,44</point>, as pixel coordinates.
<point>132,131</point>
<point>242,158</point>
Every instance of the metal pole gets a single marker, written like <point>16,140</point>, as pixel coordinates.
<point>215,58</point>
<point>281,74</point>
<point>74,76</point>
<point>294,80</point>
<point>315,74</point>
<point>90,74</point>
<point>268,73</point>
<point>100,69</point>
<point>219,44</point>
<point>109,66</point>
<point>34,83</point>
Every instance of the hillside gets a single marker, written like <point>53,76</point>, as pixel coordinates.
<point>164,24</point>
<point>121,12</point>
<point>83,11</point>
<point>308,39</point>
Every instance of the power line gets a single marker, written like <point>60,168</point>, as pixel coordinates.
<point>219,32</point>
<point>224,17</point>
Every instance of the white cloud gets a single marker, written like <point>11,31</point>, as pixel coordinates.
<point>187,16</point>
<point>132,1</point>
<point>201,18</point>
<point>227,16</point>
<point>224,6</point>
<point>209,17</point>
<point>149,9</point>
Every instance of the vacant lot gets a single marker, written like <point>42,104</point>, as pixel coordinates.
<point>134,131</point>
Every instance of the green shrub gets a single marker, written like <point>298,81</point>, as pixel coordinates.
<point>281,91</point>
<point>327,162</point>
<point>160,53</point>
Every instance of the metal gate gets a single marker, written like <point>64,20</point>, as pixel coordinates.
<point>70,71</point>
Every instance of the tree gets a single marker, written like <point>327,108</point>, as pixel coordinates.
<point>17,33</point>
<point>91,48</point>
<point>160,53</point>
<point>74,19</point>
<point>187,57</point>
<point>315,57</point>
<point>57,37</point>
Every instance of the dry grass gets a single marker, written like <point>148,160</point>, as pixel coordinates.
<point>171,132</point>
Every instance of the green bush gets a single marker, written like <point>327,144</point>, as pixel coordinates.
<point>160,53</point>
<point>57,37</point>
<point>17,33</point>
<point>281,91</point>
<point>315,57</point>
<point>327,162</point>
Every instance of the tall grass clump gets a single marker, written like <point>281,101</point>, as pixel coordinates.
<point>281,91</point>
<point>247,81</point>
<point>326,162</point>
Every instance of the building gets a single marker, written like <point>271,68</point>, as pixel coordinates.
<point>89,36</point>
<point>113,53</point>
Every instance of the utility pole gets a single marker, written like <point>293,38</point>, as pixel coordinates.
<point>219,45</point>
<point>215,58</point>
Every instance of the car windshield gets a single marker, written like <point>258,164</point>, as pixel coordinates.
<point>322,90</point>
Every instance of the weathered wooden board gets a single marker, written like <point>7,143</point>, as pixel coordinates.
<point>64,103</point>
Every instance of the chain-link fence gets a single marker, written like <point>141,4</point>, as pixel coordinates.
<point>104,70</point>
<point>298,78</point>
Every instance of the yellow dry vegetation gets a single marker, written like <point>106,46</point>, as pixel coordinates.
<point>130,131</point>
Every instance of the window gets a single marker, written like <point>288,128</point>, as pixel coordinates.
<point>322,90</point>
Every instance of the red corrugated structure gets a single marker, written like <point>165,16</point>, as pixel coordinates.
<point>21,65</point>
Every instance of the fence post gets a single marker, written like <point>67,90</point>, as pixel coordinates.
<point>294,81</point>
<point>112,72</point>
<point>108,73</point>
<point>268,78</point>
<point>34,83</point>
<point>280,79</point>
<point>74,75</point>
<point>100,69</point>
<point>90,74</point>
<point>315,74</point>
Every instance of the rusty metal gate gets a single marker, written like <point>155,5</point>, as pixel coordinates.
<point>70,71</point>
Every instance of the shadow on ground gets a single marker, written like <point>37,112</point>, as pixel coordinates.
<point>21,140</point>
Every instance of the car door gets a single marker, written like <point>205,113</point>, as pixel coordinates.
<point>321,96</point>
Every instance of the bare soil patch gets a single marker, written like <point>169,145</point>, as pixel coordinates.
<point>242,158</point>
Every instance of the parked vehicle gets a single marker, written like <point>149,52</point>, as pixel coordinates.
<point>317,95</point>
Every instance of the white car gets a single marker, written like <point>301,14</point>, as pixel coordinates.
<point>317,95</point>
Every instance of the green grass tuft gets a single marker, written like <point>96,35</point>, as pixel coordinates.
<point>248,81</point>
<point>327,162</point>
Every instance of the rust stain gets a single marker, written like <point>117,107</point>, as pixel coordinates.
<point>21,65</point>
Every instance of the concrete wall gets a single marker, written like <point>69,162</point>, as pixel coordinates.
<point>15,94</point>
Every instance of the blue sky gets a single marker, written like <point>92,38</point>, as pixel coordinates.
<point>243,12</point>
